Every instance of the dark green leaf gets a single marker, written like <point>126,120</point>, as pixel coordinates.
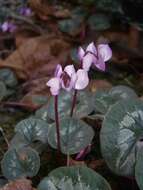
<point>75,135</point>
<point>74,178</point>
<point>8,77</point>
<point>33,129</point>
<point>22,162</point>
<point>121,131</point>
<point>84,105</point>
<point>99,22</point>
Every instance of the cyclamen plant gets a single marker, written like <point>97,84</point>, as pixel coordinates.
<point>66,120</point>
<point>69,79</point>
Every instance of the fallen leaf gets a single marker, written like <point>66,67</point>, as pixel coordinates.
<point>38,57</point>
<point>43,9</point>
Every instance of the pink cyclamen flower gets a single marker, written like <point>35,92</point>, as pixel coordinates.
<point>25,11</point>
<point>8,26</point>
<point>68,79</point>
<point>94,55</point>
<point>63,79</point>
<point>81,79</point>
<point>104,53</point>
<point>54,85</point>
<point>87,56</point>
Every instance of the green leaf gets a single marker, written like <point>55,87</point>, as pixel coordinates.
<point>99,22</point>
<point>22,162</point>
<point>42,113</point>
<point>75,135</point>
<point>74,178</point>
<point>39,99</point>
<point>122,92</point>
<point>120,134</point>
<point>114,6</point>
<point>8,77</point>
<point>84,105</point>
<point>70,26</point>
<point>33,129</point>
<point>103,100</point>
<point>3,91</point>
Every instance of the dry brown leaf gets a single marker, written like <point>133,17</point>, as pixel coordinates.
<point>38,57</point>
<point>23,35</point>
<point>44,10</point>
<point>73,162</point>
<point>96,164</point>
<point>20,184</point>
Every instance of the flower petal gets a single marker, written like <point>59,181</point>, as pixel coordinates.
<point>81,53</point>
<point>54,85</point>
<point>82,79</point>
<point>5,26</point>
<point>100,64</point>
<point>91,48</point>
<point>58,71</point>
<point>105,51</point>
<point>70,70</point>
<point>87,61</point>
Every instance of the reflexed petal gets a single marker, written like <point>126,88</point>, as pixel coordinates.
<point>105,51</point>
<point>100,64</point>
<point>82,79</point>
<point>70,70</point>
<point>58,71</point>
<point>91,48</point>
<point>81,53</point>
<point>87,62</point>
<point>54,85</point>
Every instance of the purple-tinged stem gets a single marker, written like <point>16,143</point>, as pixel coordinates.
<point>57,124</point>
<point>73,103</point>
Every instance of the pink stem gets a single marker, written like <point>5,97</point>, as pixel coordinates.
<point>57,124</point>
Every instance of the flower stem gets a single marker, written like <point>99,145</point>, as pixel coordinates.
<point>68,160</point>
<point>57,124</point>
<point>73,102</point>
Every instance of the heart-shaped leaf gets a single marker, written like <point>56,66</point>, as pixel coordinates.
<point>122,92</point>
<point>3,91</point>
<point>22,162</point>
<point>103,100</point>
<point>39,99</point>
<point>8,77</point>
<point>70,26</point>
<point>75,135</point>
<point>42,113</point>
<point>33,129</point>
<point>121,132</point>
<point>84,105</point>
<point>99,22</point>
<point>74,178</point>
